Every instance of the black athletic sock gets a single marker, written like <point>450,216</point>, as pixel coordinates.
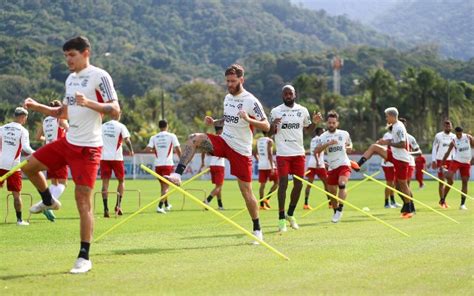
<point>84,251</point>
<point>281,214</point>
<point>334,210</point>
<point>256,224</point>
<point>340,207</point>
<point>463,199</point>
<point>405,208</point>
<point>412,207</point>
<point>262,204</point>
<point>160,204</point>
<point>106,205</point>
<point>386,202</point>
<point>392,199</point>
<point>18,216</point>
<point>180,168</point>
<point>166,203</point>
<point>291,210</point>
<point>306,200</point>
<point>209,198</point>
<point>219,203</point>
<point>46,197</point>
<point>442,200</point>
<point>361,161</point>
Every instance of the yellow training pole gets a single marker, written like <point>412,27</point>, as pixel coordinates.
<point>147,206</point>
<point>13,170</point>
<point>198,201</point>
<point>354,207</point>
<point>450,186</point>
<point>349,189</point>
<point>411,198</point>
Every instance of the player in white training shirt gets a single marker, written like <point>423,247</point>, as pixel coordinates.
<point>288,122</point>
<point>414,150</point>
<point>114,134</point>
<point>267,170</point>
<point>462,146</point>
<point>164,144</point>
<point>336,143</point>
<point>242,113</point>
<point>389,172</point>
<point>89,94</point>
<point>53,129</point>
<point>441,143</point>
<point>14,139</point>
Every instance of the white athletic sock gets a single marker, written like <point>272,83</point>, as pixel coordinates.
<point>52,189</point>
<point>60,189</point>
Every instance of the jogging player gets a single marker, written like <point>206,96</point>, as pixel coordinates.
<point>267,170</point>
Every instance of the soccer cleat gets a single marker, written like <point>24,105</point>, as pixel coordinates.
<point>307,207</point>
<point>395,205</point>
<point>118,211</point>
<point>81,266</point>
<point>160,210</point>
<point>292,221</point>
<point>406,215</point>
<point>267,203</point>
<point>206,203</point>
<point>387,206</point>
<point>106,214</point>
<point>355,166</point>
<point>49,215</point>
<point>336,217</point>
<point>168,208</point>
<point>220,208</point>
<point>463,207</point>
<point>174,178</point>
<point>282,225</point>
<point>259,235</point>
<point>40,206</point>
<point>22,223</point>
<point>264,208</point>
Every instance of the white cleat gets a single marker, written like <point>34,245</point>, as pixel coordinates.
<point>336,217</point>
<point>259,235</point>
<point>81,266</point>
<point>160,210</point>
<point>220,208</point>
<point>168,208</point>
<point>293,223</point>
<point>24,223</point>
<point>282,225</point>
<point>174,178</point>
<point>463,207</point>
<point>39,207</point>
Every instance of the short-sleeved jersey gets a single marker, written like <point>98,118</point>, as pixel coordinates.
<point>441,144</point>
<point>336,154</point>
<point>289,133</point>
<point>15,138</point>
<point>313,161</point>
<point>52,130</point>
<point>462,149</point>
<point>412,145</point>
<point>399,134</point>
<point>85,124</point>
<point>113,133</point>
<point>387,136</point>
<point>164,143</point>
<point>238,133</point>
<point>262,150</point>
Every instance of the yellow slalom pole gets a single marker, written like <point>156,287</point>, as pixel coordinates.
<point>198,201</point>
<point>354,207</point>
<point>411,198</point>
<point>147,206</point>
<point>349,189</point>
<point>13,170</point>
<point>450,186</point>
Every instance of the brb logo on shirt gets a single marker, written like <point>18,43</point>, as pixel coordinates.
<point>290,125</point>
<point>231,119</point>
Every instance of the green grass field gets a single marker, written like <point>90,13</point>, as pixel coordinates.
<point>186,252</point>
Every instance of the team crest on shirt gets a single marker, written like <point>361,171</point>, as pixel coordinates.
<point>340,138</point>
<point>239,106</point>
<point>298,114</point>
<point>84,82</point>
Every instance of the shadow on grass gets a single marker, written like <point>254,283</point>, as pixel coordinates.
<point>21,276</point>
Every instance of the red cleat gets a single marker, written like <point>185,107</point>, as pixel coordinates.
<point>307,207</point>
<point>406,215</point>
<point>355,166</point>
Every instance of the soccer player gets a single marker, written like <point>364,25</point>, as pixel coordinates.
<point>53,129</point>
<point>14,138</point>
<point>420,164</point>
<point>289,121</point>
<point>462,146</point>
<point>267,170</point>
<point>242,113</point>
<point>336,143</point>
<point>389,172</point>
<point>316,166</point>
<point>441,143</point>
<point>89,94</point>
<point>113,134</point>
<point>164,144</point>
<point>414,150</point>
<point>217,170</point>
<point>398,154</point>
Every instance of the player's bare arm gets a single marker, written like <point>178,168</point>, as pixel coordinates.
<point>59,112</point>
<point>270,154</point>
<point>324,146</point>
<point>177,150</point>
<point>273,126</point>
<point>316,119</point>
<point>401,144</point>
<point>64,124</point>
<point>349,147</point>
<point>39,136</point>
<point>148,149</point>
<point>209,121</point>
<point>260,124</point>
<point>111,108</point>
<point>128,143</point>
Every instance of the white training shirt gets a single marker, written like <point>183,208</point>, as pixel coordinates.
<point>113,133</point>
<point>399,134</point>
<point>313,161</point>
<point>85,124</point>
<point>216,161</point>
<point>164,143</point>
<point>238,133</point>
<point>52,130</point>
<point>15,138</point>
<point>462,149</point>
<point>336,154</point>
<point>289,133</point>
<point>386,136</point>
<point>441,144</point>
<point>262,150</point>
<point>413,145</point>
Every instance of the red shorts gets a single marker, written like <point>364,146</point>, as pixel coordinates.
<point>464,168</point>
<point>240,165</point>
<point>14,182</point>
<point>291,165</point>
<point>60,173</point>
<point>320,172</point>
<point>411,170</point>
<point>217,174</point>
<point>82,161</point>
<point>107,166</point>
<point>440,171</point>
<point>266,175</point>
<point>164,170</point>
<point>333,176</point>
<point>389,173</point>
<point>400,167</point>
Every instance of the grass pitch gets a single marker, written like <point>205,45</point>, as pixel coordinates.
<point>185,252</point>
